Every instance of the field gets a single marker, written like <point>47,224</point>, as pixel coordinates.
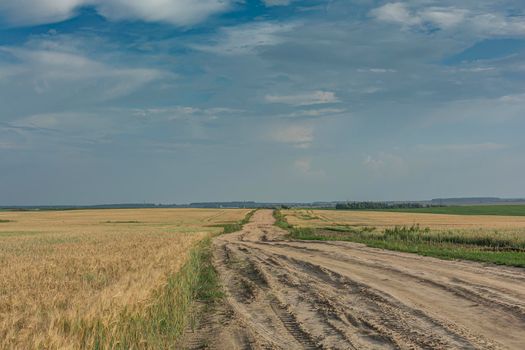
<point>496,239</point>
<point>143,279</point>
<point>101,278</point>
<point>505,210</point>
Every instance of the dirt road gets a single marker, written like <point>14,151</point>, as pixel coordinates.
<point>283,294</point>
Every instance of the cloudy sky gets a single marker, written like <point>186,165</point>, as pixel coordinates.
<point>172,101</point>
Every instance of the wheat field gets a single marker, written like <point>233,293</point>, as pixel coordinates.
<point>64,275</point>
<point>382,219</point>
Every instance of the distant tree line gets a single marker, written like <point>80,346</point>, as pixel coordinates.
<point>379,205</point>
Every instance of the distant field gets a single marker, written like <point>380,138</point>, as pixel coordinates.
<point>100,278</point>
<point>505,210</point>
<point>497,239</point>
<point>388,219</point>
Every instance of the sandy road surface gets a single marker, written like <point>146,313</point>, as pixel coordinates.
<point>335,295</point>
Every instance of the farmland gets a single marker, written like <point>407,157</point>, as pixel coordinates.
<point>496,239</point>
<point>504,210</point>
<point>101,278</point>
<point>143,279</point>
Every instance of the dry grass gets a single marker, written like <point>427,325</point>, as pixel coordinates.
<point>62,269</point>
<point>382,220</point>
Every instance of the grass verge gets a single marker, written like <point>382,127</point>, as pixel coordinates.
<point>482,247</point>
<point>162,322</point>
<point>229,228</point>
<point>280,220</point>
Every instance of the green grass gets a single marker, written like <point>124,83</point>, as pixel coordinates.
<point>506,254</point>
<point>505,210</point>
<point>5,221</point>
<point>237,226</point>
<point>162,323</point>
<point>482,246</point>
<point>280,220</point>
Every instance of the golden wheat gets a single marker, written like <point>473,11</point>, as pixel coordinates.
<point>380,219</point>
<point>63,268</point>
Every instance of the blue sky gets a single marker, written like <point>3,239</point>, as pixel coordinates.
<point>172,101</point>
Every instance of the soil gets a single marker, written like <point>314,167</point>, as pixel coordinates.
<point>285,294</point>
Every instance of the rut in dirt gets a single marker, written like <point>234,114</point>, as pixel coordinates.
<point>283,294</point>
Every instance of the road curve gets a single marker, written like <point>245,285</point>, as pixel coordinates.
<point>283,294</point>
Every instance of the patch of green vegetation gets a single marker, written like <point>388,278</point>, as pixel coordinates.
<point>5,221</point>
<point>19,233</point>
<point>237,226</point>
<point>163,321</point>
<point>230,228</point>
<point>482,247</point>
<point>280,220</point>
<point>503,210</point>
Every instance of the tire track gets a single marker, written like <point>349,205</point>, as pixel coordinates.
<point>333,295</point>
<point>470,291</point>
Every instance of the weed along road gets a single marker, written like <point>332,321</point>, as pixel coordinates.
<point>283,294</point>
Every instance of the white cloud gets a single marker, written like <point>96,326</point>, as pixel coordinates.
<point>444,17</point>
<point>246,38</point>
<point>49,70</point>
<point>497,24</point>
<point>306,99</point>
<point>85,123</point>
<point>316,113</point>
<point>478,22</point>
<point>516,98</point>
<point>300,136</point>
<point>182,112</point>
<point>377,70</point>
<point>476,69</point>
<point>471,147</point>
<point>371,90</point>
<point>270,3</point>
<point>177,12</point>
<point>38,11</point>
<point>395,13</point>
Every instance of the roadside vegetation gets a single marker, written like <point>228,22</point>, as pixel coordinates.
<point>162,321</point>
<point>237,226</point>
<point>171,309</point>
<point>499,247</point>
<point>280,220</point>
<point>76,280</point>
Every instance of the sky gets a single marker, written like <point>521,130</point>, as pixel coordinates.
<point>177,101</point>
